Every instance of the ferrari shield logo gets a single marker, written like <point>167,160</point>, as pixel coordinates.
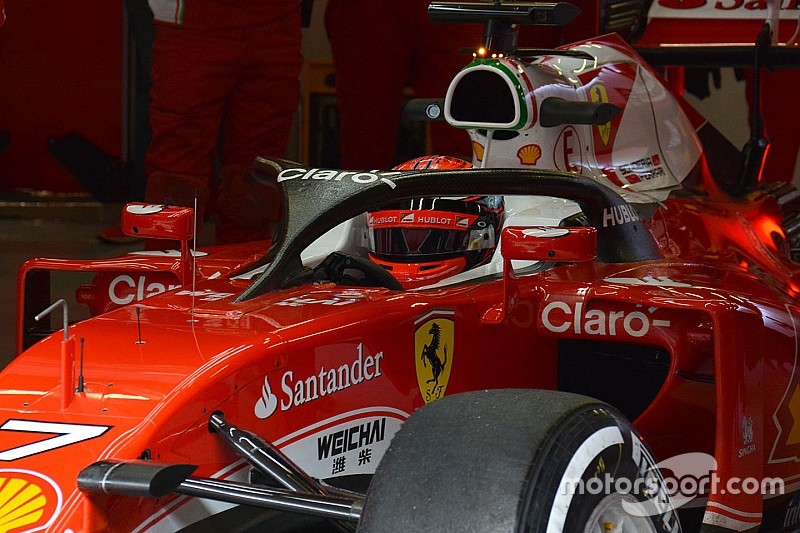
<point>434,340</point>
<point>598,94</point>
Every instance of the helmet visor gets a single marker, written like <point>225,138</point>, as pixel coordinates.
<point>426,235</point>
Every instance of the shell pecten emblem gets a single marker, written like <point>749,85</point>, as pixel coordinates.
<point>434,341</point>
<point>529,154</point>
<point>28,501</point>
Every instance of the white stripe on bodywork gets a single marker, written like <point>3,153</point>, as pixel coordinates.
<point>734,511</point>
<point>715,519</point>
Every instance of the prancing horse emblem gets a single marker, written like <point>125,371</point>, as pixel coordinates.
<point>430,352</point>
<point>434,355</point>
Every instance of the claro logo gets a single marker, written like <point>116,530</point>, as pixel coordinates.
<point>337,175</point>
<point>560,317</point>
<point>124,289</point>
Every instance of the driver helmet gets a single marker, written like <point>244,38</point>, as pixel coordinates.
<point>424,240</point>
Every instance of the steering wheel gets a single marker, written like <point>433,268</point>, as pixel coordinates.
<point>349,270</point>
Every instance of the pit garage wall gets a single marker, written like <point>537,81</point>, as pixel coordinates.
<point>60,72</point>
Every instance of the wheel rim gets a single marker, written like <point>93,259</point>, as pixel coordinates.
<point>610,517</point>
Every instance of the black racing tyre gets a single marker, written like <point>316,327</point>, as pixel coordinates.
<point>501,460</point>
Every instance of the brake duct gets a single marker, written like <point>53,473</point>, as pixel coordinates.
<point>301,493</point>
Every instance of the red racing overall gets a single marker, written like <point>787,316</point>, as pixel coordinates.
<point>379,47</point>
<point>225,87</point>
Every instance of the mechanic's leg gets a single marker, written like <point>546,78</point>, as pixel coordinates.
<point>247,210</point>
<point>191,74</point>
<point>258,122</point>
<point>143,30</point>
<point>371,60</point>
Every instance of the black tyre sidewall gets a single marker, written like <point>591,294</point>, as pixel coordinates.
<point>624,461</point>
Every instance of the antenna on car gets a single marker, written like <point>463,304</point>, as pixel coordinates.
<point>194,249</point>
<point>139,324</point>
<point>67,353</point>
<point>81,385</point>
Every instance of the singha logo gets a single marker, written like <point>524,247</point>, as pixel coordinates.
<point>434,340</point>
<point>747,430</point>
<point>747,437</point>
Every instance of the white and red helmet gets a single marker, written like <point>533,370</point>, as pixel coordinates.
<point>424,240</point>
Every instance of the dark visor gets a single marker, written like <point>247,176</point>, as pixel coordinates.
<point>418,244</point>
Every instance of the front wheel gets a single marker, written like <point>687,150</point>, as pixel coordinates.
<point>518,461</point>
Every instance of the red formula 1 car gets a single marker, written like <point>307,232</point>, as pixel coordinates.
<point>600,303</point>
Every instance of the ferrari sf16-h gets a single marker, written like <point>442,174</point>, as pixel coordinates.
<point>605,292</point>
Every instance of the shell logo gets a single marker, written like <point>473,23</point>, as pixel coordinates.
<point>529,154</point>
<point>478,149</point>
<point>28,501</point>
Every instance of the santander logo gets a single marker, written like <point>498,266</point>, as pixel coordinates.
<point>268,402</point>
<point>361,368</point>
<point>720,9</point>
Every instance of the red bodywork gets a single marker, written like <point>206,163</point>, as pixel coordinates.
<point>722,303</point>
<point>693,347</point>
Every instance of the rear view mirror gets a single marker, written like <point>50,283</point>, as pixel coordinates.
<point>538,243</point>
<point>156,221</point>
<point>159,221</point>
<point>548,243</point>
